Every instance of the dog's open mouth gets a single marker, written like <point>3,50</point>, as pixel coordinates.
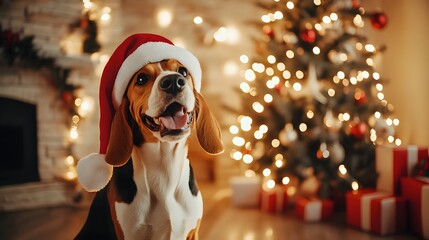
<point>172,121</point>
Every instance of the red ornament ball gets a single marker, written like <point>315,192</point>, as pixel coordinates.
<point>308,35</point>
<point>378,20</point>
<point>358,130</point>
<point>360,98</point>
<point>268,31</point>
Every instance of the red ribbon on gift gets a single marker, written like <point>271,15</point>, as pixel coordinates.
<point>393,162</point>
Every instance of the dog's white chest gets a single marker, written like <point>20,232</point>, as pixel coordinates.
<point>164,206</point>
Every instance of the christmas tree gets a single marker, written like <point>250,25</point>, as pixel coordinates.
<point>313,107</point>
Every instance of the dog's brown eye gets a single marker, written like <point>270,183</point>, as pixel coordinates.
<point>183,71</point>
<point>142,79</point>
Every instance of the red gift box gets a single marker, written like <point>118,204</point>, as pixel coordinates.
<point>313,209</point>
<point>417,192</point>
<point>393,162</point>
<point>376,212</point>
<point>274,200</point>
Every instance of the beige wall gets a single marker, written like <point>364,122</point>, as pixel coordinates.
<point>405,64</point>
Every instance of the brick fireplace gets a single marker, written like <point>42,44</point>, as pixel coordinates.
<point>34,142</point>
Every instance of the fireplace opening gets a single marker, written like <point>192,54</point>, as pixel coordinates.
<point>18,142</point>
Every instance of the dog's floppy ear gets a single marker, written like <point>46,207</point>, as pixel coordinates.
<point>208,130</point>
<point>121,137</point>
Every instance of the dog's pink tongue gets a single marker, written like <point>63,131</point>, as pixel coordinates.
<point>177,121</point>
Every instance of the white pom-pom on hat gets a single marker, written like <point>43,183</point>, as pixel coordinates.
<point>93,172</point>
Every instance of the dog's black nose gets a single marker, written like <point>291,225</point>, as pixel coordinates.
<point>172,84</point>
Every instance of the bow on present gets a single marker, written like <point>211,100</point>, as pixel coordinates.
<point>422,168</point>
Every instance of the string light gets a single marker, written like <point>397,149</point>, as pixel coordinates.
<point>342,169</point>
<point>198,20</point>
<point>266,172</point>
<point>285,180</point>
<point>164,18</point>
<point>355,185</point>
<point>247,158</point>
<point>233,129</point>
<point>244,59</point>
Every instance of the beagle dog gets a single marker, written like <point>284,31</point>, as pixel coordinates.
<point>153,194</point>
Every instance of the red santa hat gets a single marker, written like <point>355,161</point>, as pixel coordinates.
<point>132,54</point>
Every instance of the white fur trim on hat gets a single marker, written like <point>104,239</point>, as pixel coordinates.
<point>153,52</point>
<point>93,172</point>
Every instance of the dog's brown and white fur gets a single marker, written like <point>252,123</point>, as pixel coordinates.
<point>152,193</point>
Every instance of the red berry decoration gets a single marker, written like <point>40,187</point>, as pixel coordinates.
<point>378,20</point>
<point>308,35</point>
<point>358,130</point>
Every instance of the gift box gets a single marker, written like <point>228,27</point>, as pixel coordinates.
<point>274,200</point>
<point>314,209</point>
<point>393,162</point>
<point>376,212</point>
<point>246,191</point>
<point>417,192</point>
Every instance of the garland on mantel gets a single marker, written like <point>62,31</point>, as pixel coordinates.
<point>20,51</point>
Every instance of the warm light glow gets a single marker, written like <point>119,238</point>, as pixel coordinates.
<point>303,127</point>
<point>74,133</point>
<point>244,59</point>
<point>269,71</point>
<point>230,68</point>
<point>376,76</point>
<point>271,184</point>
<point>164,18</point>
<point>316,50</point>
<point>271,59</point>
<point>379,87</point>
<point>258,107</point>
<point>233,129</point>
<point>297,86</point>
<point>299,74</point>
<point>377,114</point>
<point>249,173</point>
<point>258,67</point>
<point>317,2</point>
<point>286,180</point>
<point>70,175</point>
<point>238,141</point>
<point>75,119</point>
<point>355,186</point>
<point>245,87</point>
<point>331,92</point>
<point>263,128</point>
<point>310,114</point>
<point>265,19</point>
<point>281,66</point>
<point>369,48</point>
<point>198,20</point>
<point>290,54</point>
<point>275,143</point>
<point>69,161</point>
<point>396,122</point>
<point>279,163</point>
<point>86,106</point>
<point>278,15</point>
<point>290,5</point>
<point>87,4</point>
<point>268,98</point>
<point>286,74</point>
<point>249,75</point>
<point>333,16</point>
<point>266,172</point>
<point>358,21</point>
<point>380,95</point>
<point>342,169</point>
<point>237,155</point>
<point>398,142</point>
<point>247,158</point>
<point>227,34</point>
<point>270,84</point>
<point>258,134</point>
<point>326,19</point>
<point>341,74</point>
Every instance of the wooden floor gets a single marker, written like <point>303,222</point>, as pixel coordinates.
<point>221,222</point>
